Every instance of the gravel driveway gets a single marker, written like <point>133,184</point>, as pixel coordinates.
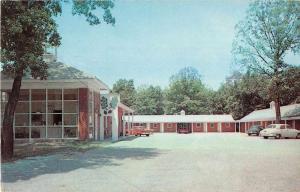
<point>208,162</point>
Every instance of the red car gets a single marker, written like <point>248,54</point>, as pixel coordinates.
<point>140,132</point>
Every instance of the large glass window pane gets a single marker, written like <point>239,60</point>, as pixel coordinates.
<point>21,119</point>
<point>54,94</point>
<point>21,132</point>
<point>38,94</point>
<point>38,119</point>
<point>90,96</point>
<point>38,132</point>
<point>3,104</point>
<point>70,119</point>
<point>90,107</point>
<point>54,119</point>
<point>70,132</point>
<point>22,107</point>
<point>38,106</point>
<point>70,94</point>
<point>4,95</point>
<point>24,95</point>
<point>54,132</point>
<point>54,106</point>
<point>70,106</point>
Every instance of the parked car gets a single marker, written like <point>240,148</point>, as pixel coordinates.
<point>140,132</point>
<point>255,129</point>
<point>184,131</point>
<point>278,131</point>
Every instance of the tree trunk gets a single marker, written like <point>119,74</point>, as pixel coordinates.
<point>277,109</point>
<point>7,136</point>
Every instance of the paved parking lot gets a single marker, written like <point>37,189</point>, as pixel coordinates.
<point>209,162</point>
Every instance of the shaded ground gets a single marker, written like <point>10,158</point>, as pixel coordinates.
<point>165,162</point>
<point>23,150</point>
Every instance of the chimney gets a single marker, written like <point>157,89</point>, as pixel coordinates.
<point>182,112</point>
<point>272,105</point>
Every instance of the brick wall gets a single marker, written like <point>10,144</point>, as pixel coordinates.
<point>198,127</point>
<point>169,127</point>
<point>83,114</point>
<point>155,128</point>
<point>212,127</point>
<point>228,127</point>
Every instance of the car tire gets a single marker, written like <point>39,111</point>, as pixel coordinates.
<point>278,136</point>
<point>298,136</point>
<point>147,135</point>
<point>249,134</point>
<point>266,137</point>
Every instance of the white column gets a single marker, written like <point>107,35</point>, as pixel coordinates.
<point>148,125</point>
<point>101,127</point>
<point>162,127</point>
<point>285,123</point>
<point>239,127</point>
<point>192,127</point>
<point>205,127</point>
<point>219,127</point>
<point>235,127</point>
<point>124,124</point>
<point>115,125</point>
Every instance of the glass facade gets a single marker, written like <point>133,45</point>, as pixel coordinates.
<point>45,113</point>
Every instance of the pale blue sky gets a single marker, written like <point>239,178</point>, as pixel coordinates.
<point>152,40</point>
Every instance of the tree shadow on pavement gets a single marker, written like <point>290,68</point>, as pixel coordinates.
<point>65,162</point>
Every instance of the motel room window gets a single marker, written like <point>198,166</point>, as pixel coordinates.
<point>169,125</point>
<point>212,125</point>
<point>227,124</point>
<point>155,125</point>
<point>199,125</point>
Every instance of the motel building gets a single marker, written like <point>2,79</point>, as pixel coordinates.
<point>68,105</point>
<point>191,123</point>
<point>290,114</point>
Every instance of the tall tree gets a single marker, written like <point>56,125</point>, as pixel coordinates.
<point>126,90</point>
<point>270,30</point>
<point>27,27</point>
<point>186,92</point>
<point>149,101</point>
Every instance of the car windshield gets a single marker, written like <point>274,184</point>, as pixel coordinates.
<point>271,126</point>
<point>255,128</point>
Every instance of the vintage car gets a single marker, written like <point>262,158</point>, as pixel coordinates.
<point>278,131</point>
<point>140,132</point>
<point>254,130</point>
<point>184,131</point>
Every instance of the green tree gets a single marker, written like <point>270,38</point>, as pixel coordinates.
<point>27,27</point>
<point>270,30</point>
<point>149,101</point>
<point>186,92</point>
<point>126,90</point>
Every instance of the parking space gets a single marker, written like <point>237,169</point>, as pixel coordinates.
<point>207,162</point>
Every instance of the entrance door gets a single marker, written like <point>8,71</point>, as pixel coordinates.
<point>184,128</point>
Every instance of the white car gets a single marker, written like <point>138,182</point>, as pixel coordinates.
<point>280,131</point>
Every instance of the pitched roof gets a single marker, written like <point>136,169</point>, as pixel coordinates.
<point>60,71</point>
<point>126,108</point>
<point>270,115</point>
<point>179,118</point>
